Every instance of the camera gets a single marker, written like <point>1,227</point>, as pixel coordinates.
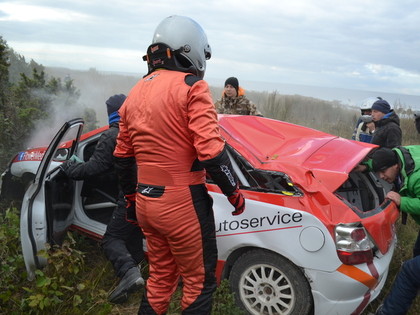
<point>368,118</point>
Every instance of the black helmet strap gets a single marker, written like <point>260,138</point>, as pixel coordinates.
<point>160,55</point>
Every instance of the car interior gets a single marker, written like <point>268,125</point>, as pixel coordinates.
<point>254,179</point>
<point>363,192</point>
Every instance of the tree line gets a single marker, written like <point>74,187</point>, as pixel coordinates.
<point>29,99</point>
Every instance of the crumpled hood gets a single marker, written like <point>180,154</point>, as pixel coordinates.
<point>295,150</point>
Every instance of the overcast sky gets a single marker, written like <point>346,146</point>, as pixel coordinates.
<point>360,44</point>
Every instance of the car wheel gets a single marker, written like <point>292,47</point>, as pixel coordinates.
<point>267,283</point>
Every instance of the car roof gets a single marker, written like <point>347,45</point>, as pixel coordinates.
<point>298,151</point>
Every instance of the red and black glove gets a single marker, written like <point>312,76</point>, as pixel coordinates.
<point>130,206</point>
<point>238,201</point>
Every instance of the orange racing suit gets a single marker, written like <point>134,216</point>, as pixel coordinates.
<point>169,126</point>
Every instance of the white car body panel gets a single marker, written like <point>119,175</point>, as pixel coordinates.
<point>37,224</point>
<point>286,236</point>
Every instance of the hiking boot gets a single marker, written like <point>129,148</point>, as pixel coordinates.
<point>131,282</point>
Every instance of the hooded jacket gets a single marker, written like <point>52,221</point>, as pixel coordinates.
<point>409,157</point>
<point>387,131</point>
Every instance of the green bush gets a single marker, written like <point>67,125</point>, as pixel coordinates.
<point>65,285</point>
<point>73,282</point>
<point>12,266</point>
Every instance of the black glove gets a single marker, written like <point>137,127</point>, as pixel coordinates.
<point>66,165</point>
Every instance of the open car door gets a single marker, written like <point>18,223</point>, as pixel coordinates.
<point>47,207</point>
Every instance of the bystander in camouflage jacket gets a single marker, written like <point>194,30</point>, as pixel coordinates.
<point>239,105</point>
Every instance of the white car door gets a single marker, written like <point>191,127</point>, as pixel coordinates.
<point>47,209</point>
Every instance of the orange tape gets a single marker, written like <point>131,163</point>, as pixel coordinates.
<point>358,275</point>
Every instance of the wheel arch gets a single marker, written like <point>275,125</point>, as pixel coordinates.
<point>27,177</point>
<point>227,272</point>
<point>227,268</point>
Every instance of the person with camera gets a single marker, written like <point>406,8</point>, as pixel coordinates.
<point>364,127</point>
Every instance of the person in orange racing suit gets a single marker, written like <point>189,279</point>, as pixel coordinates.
<point>169,128</point>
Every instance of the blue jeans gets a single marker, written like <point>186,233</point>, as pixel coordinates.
<point>404,290</point>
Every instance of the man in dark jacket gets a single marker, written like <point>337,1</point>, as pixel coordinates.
<point>122,240</point>
<point>387,132</point>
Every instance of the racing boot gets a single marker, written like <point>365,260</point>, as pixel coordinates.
<point>131,282</point>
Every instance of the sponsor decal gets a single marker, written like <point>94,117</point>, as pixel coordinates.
<point>30,156</point>
<point>228,174</point>
<point>20,156</point>
<point>147,190</point>
<point>278,221</point>
<point>152,77</point>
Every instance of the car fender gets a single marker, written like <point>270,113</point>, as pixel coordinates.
<point>294,234</point>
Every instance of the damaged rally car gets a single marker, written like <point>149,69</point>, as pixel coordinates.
<point>315,238</point>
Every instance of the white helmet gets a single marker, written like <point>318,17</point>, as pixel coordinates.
<point>367,103</point>
<point>186,42</point>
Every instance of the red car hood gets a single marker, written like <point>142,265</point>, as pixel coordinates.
<point>302,153</point>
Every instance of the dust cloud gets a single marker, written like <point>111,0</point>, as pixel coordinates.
<point>94,88</point>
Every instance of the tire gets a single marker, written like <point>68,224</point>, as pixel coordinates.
<point>267,283</point>
<point>27,180</point>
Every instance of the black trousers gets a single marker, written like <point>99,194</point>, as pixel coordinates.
<point>122,242</point>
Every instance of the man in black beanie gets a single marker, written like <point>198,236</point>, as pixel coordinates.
<point>234,101</point>
<point>383,159</point>
<point>401,166</point>
<point>113,104</point>
<point>122,237</point>
<point>387,131</point>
